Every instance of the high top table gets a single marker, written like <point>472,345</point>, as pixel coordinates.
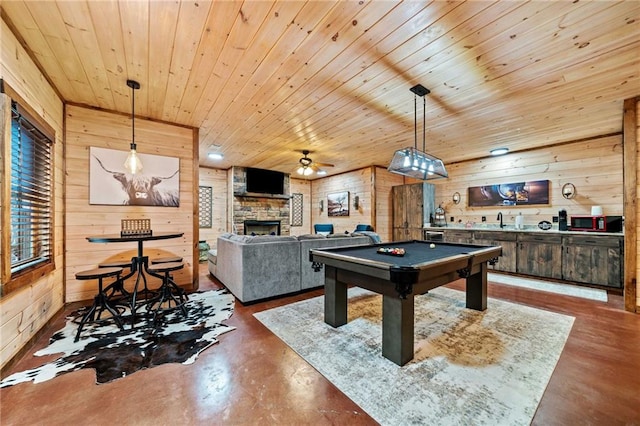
<point>139,263</point>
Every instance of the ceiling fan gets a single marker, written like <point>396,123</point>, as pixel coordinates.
<point>307,166</point>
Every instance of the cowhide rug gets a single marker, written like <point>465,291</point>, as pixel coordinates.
<point>114,353</point>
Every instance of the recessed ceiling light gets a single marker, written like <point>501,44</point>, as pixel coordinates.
<point>499,151</point>
<point>215,156</point>
<point>322,172</point>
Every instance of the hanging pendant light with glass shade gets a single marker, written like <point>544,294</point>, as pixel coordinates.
<point>133,163</point>
<point>411,161</point>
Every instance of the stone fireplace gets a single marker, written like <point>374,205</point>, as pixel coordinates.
<point>259,208</point>
<point>262,227</point>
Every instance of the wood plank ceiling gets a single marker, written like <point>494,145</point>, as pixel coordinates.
<point>263,80</point>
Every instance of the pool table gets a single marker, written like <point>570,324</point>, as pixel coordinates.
<point>398,279</point>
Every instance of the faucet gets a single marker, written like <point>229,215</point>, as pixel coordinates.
<point>500,219</point>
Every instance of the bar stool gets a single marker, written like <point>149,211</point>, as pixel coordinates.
<point>169,259</point>
<point>169,292</point>
<point>101,302</point>
<point>118,285</point>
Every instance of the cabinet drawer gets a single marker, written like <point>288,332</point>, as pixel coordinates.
<point>539,238</point>
<point>461,233</point>
<point>457,235</point>
<point>596,240</point>
<point>495,236</point>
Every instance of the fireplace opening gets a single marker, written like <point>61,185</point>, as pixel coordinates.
<point>262,227</point>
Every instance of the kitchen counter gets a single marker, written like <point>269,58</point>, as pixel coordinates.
<point>511,228</point>
<point>592,258</point>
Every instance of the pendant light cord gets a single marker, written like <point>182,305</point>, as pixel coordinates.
<point>133,118</point>
<point>134,86</point>
<point>424,121</point>
<point>415,121</point>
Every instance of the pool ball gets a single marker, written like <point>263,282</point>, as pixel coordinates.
<point>432,245</point>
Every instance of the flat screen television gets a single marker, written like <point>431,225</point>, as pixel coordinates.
<point>264,181</point>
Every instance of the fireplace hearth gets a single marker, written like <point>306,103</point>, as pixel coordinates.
<point>262,227</point>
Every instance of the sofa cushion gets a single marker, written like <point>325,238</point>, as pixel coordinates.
<point>212,257</point>
<point>311,237</point>
<point>240,238</point>
<point>271,239</point>
<point>257,239</point>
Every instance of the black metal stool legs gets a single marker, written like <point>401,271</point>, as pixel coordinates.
<point>101,302</point>
<point>170,295</point>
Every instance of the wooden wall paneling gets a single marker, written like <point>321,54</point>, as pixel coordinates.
<point>5,194</point>
<point>373,215</point>
<point>631,131</point>
<point>597,179</point>
<point>25,311</point>
<point>195,220</point>
<point>302,186</point>
<point>217,180</point>
<point>88,127</point>
<point>385,180</point>
<point>357,182</point>
<point>230,196</point>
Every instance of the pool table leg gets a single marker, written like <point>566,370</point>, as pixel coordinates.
<point>477,289</point>
<point>335,298</point>
<point>397,328</point>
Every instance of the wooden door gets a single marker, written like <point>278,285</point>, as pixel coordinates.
<point>413,202</point>
<point>399,219</point>
<point>407,212</point>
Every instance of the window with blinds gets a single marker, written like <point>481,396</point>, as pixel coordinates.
<point>31,209</point>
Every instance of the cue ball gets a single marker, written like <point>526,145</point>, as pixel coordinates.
<point>432,245</point>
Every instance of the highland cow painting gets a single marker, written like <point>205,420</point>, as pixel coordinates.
<point>111,184</point>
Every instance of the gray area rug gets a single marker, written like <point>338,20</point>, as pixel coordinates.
<point>470,367</point>
<point>549,286</point>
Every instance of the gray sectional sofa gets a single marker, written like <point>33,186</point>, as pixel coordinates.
<point>264,266</point>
